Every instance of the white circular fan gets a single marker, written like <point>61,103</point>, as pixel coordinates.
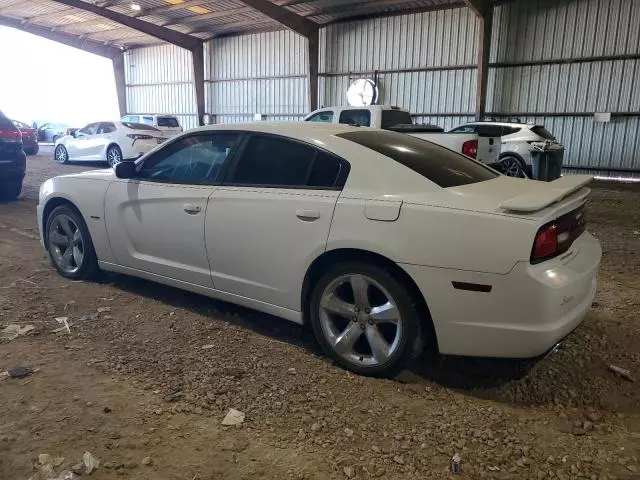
<point>362,92</point>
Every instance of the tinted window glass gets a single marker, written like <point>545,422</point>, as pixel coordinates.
<point>391,118</point>
<point>324,117</point>
<point>147,120</point>
<point>277,162</point>
<point>465,129</point>
<point>440,165</point>
<point>489,130</point>
<point>170,122</point>
<point>510,130</point>
<point>89,129</point>
<point>196,159</point>
<point>5,123</point>
<point>356,117</point>
<point>543,132</point>
<point>139,126</point>
<point>107,127</point>
<point>134,118</point>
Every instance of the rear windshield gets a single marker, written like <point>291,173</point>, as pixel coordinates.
<point>138,126</point>
<point>542,132</point>
<point>5,123</point>
<point>168,122</point>
<point>440,165</point>
<point>391,118</point>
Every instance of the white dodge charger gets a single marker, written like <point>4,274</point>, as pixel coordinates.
<point>382,242</point>
<point>110,142</point>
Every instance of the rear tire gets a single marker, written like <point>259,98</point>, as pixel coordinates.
<point>512,166</point>
<point>11,191</point>
<point>365,319</point>
<point>114,155</point>
<point>61,155</point>
<point>69,244</point>
<point>34,150</point>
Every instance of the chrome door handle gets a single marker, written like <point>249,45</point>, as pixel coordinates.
<point>308,215</point>
<point>192,209</point>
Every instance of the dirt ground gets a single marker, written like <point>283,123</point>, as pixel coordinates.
<point>103,388</point>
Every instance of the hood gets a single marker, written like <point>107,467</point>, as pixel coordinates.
<point>103,174</point>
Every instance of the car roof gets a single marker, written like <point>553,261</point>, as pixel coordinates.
<point>504,124</point>
<point>283,128</point>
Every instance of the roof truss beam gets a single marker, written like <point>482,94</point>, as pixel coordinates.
<point>479,7</point>
<point>283,16</point>
<point>161,33</point>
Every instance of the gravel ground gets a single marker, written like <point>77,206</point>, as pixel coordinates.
<point>103,388</point>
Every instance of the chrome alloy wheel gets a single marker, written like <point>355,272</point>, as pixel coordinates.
<point>61,154</point>
<point>114,156</point>
<point>360,320</point>
<point>66,244</point>
<point>511,167</point>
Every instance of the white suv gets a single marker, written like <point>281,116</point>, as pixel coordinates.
<point>167,123</point>
<point>515,153</point>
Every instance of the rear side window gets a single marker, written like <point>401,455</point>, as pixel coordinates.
<point>510,130</point>
<point>542,132</point>
<point>170,122</point>
<point>490,130</point>
<point>442,166</point>
<point>276,162</point>
<point>355,117</point>
<point>391,118</point>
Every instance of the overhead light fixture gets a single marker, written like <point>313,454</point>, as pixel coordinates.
<point>135,6</point>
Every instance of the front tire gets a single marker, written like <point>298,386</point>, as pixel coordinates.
<point>69,244</point>
<point>61,155</point>
<point>114,155</point>
<point>365,319</point>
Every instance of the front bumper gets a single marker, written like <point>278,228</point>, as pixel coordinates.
<point>525,314</point>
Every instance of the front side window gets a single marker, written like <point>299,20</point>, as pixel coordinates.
<point>134,118</point>
<point>464,129</point>
<point>89,129</point>
<point>196,159</point>
<point>322,117</point>
<point>361,118</point>
<point>272,161</point>
<point>147,120</point>
<point>442,166</point>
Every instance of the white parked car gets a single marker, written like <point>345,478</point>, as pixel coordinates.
<point>168,124</point>
<point>110,142</point>
<point>516,139</point>
<point>381,241</point>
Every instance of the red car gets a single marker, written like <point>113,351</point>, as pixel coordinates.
<point>29,137</point>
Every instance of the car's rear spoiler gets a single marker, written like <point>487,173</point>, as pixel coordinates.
<point>541,198</point>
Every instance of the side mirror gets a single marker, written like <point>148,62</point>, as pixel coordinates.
<point>125,169</point>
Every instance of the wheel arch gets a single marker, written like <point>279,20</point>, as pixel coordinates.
<point>331,257</point>
<point>49,206</point>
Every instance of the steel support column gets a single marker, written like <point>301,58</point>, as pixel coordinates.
<point>484,11</point>
<point>314,55</point>
<point>197,56</point>
<point>121,86</point>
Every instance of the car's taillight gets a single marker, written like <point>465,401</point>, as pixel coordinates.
<point>557,237</point>
<point>139,136</point>
<point>10,134</point>
<point>470,148</point>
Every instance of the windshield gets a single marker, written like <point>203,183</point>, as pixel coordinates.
<point>139,126</point>
<point>442,166</point>
<point>171,122</point>
<point>391,118</point>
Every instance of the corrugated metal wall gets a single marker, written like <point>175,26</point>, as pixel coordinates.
<point>553,62</point>
<point>264,73</point>
<point>425,62</point>
<point>159,80</point>
<point>588,32</point>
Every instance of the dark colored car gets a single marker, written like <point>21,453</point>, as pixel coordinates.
<point>29,137</point>
<point>13,160</point>
<point>50,132</point>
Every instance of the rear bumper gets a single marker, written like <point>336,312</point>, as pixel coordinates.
<point>526,313</point>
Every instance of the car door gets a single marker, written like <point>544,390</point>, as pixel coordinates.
<point>97,144</point>
<point>271,217</point>
<point>155,221</point>
<point>325,116</point>
<point>78,148</point>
